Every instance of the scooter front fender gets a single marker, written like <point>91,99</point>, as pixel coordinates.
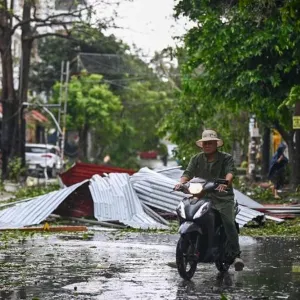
<point>187,227</point>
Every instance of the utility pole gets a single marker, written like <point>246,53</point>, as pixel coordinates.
<point>63,112</point>
<point>59,135</point>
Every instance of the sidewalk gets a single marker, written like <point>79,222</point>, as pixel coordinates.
<point>4,196</point>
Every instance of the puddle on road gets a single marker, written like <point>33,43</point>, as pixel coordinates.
<point>136,267</point>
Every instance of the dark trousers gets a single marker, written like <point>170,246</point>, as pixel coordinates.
<point>227,213</point>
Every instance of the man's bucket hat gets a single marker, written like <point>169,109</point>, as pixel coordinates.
<point>209,135</point>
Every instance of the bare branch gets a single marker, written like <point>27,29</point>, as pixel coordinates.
<point>56,23</point>
<point>18,18</point>
<point>34,9</point>
<point>51,18</point>
<point>60,35</point>
<point>75,13</point>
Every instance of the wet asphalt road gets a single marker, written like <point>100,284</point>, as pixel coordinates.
<point>135,266</point>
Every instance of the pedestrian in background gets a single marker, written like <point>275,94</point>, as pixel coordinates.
<point>277,169</point>
<point>163,153</point>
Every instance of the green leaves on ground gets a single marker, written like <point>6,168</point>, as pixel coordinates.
<point>31,192</point>
<point>270,228</point>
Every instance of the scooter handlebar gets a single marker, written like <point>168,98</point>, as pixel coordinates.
<point>208,185</point>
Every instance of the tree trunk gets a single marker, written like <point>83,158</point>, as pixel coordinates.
<point>8,99</point>
<point>292,139</point>
<point>292,159</point>
<point>265,152</point>
<point>13,122</point>
<point>296,163</point>
<point>24,78</point>
<point>83,135</point>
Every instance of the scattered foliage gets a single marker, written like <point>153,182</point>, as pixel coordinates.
<point>15,169</point>
<point>270,228</point>
<point>31,192</point>
<point>8,237</point>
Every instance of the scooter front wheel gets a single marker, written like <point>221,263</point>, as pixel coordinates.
<point>222,267</point>
<point>186,259</point>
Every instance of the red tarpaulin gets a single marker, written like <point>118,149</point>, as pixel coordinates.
<point>81,171</point>
<point>148,155</point>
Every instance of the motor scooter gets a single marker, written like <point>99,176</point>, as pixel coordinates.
<point>202,236</point>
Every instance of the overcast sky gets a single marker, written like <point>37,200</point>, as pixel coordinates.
<point>148,24</point>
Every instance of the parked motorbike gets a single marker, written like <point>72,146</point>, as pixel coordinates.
<point>202,236</point>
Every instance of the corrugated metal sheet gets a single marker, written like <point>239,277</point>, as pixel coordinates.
<point>246,215</point>
<point>154,189</point>
<point>245,200</point>
<point>82,171</point>
<point>173,172</point>
<point>35,210</point>
<point>115,199</point>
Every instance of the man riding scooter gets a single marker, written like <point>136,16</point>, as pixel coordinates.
<point>211,164</point>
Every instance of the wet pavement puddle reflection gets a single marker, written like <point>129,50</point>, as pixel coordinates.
<point>137,266</point>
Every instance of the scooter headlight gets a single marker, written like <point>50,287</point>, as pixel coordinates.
<point>181,210</point>
<point>203,209</point>
<point>195,188</point>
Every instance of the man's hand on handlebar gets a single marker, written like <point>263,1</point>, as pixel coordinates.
<point>222,188</point>
<point>178,186</point>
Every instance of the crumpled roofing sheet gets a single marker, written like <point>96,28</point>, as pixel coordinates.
<point>115,199</point>
<point>35,210</point>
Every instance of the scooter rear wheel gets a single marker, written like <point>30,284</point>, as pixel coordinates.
<point>186,259</point>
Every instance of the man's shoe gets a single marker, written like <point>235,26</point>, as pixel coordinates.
<point>238,264</point>
<point>172,264</point>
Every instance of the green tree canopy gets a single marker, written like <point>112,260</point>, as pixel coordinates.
<point>140,86</point>
<point>241,56</point>
<point>143,109</point>
<point>91,107</point>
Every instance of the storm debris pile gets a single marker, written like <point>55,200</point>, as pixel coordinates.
<point>135,201</point>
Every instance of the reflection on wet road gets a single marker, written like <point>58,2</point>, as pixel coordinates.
<point>136,267</point>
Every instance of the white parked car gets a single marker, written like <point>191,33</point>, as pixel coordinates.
<point>43,156</point>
